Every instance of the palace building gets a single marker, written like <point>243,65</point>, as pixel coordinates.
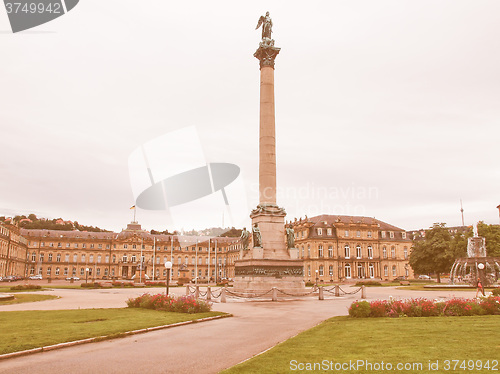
<point>333,248</point>
<point>351,247</point>
<point>131,254</point>
<point>13,250</point>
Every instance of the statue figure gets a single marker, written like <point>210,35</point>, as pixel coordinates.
<point>257,238</point>
<point>267,26</point>
<point>290,238</point>
<point>475,231</point>
<point>244,238</point>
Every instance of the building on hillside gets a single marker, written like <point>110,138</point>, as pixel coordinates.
<point>336,248</point>
<point>131,254</point>
<point>13,249</point>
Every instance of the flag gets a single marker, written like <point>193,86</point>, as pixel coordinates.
<point>133,207</point>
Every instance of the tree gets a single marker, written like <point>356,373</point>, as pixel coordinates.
<point>435,253</point>
<point>491,234</point>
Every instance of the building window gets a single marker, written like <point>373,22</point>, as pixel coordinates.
<point>358,251</point>
<point>49,271</point>
<point>133,258</point>
<point>42,244</point>
<point>391,234</point>
<point>124,258</point>
<point>371,271</point>
<point>347,271</point>
<point>405,252</point>
<point>33,257</point>
<point>84,245</point>
<point>91,258</point>
<point>65,271</point>
<point>320,231</point>
<point>369,234</point>
<point>76,245</point>
<point>370,251</point>
<point>114,259</point>
<point>108,246</point>
<point>82,272</point>
<point>403,235</point>
<point>134,246</point>
<point>309,270</point>
<point>57,271</point>
<point>330,251</point>
<point>330,270</point>
<point>358,234</point>
<point>361,271</point>
<point>98,271</point>
<point>158,260</point>
<point>73,271</point>
<point>66,257</point>
<point>58,257</point>
<point>125,246</point>
<point>83,258</point>
<point>346,233</point>
<point>308,251</point>
<point>179,260</point>
<point>75,258</point>
<point>320,251</point>
<point>384,252</point>
<point>347,251</point>
<point>321,270</point>
<point>59,245</point>
<point>107,259</point>
<point>68,245</point>
<point>100,246</point>
<point>329,232</point>
<point>393,252</point>
<point>92,245</point>
<point>99,257</point>
<point>386,270</point>
<point>50,257</point>
<point>382,234</point>
<point>394,272</point>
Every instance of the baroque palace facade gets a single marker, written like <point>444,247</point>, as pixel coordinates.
<point>351,247</point>
<point>334,248</point>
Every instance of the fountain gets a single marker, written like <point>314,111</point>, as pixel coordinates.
<point>477,265</point>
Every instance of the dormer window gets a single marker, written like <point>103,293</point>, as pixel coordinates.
<point>403,234</point>
<point>329,232</point>
<point>382,234</point>
<point>391,234</point>
<point>319,231</point>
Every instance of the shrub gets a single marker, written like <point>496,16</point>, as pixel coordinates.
<point>309,284</point>
<point>491,305</point>
<point>368,283</point>
<point>91,285</point>
<point>378,308</point>
<point>155,284</point>
<point>496,292</point>
<point>26,287</point>
<point>122,284</point>
<point>359,309</point>
<point>182,304</point>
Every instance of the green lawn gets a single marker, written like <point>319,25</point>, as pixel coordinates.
<point>32,329</point>
<point>389,340</point>
<point>27,298</point>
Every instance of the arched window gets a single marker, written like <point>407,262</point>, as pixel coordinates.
<point>393,252</point>
<point>347,251</point>
<point>347,271</point>
<point>394,271</point>
<point>384,252</point>
<point>370,251</point>
<point>386,270</point>
<point>358,251</point>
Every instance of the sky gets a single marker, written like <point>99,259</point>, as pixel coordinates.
<point>386,109</point>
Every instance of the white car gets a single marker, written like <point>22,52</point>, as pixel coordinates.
<point>36,277</point>
<point>423,276</point>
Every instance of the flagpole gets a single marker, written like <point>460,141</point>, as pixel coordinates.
<point>154,256</point>
<point>172,255</point>
<point>196,264</point>
<point>208,280</point>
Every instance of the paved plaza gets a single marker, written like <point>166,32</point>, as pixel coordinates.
<point>197,348</point>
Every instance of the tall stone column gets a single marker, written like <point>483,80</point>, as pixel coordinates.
<point>267,135</point>
<point>268,263</point>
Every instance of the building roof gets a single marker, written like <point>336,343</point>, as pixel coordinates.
<point>331,220</point>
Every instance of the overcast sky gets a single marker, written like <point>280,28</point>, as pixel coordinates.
<point>387,109</point>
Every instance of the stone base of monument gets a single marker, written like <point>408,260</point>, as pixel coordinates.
<point>255,277</point>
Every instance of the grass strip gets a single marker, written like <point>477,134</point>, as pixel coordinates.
<point>27,298</point>
<point>31,329</point>
<point>388,340</point>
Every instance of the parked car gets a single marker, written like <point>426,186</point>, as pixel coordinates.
<point>425,277</point>
<point>74,278</point>
<point>400,278</point>
<point>35,277</point>
<point>8,278</point>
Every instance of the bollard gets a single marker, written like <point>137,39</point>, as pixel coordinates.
<point>275,294</point>
<point>197,292</point>
<point>223,295</point>
<point>363,292</point>
<point>337,290</point>
<point>187,290</point>
<point>209,294</point>
<point>321,296</point>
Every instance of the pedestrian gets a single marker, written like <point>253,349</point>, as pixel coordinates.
<point>480,287</point>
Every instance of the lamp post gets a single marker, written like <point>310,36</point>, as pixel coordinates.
<point>86,274</point>
<point>317,271</point>
<point>168,266</point>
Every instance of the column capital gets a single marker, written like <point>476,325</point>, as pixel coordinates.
<point>266,53</point>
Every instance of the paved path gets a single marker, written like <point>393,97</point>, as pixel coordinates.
<point>198,348</point>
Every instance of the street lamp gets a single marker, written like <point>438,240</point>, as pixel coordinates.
<point>317,271</point>
<point>86,274</point>
<point>168,266</point>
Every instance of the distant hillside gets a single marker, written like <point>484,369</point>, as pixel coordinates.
<point>33,222</point>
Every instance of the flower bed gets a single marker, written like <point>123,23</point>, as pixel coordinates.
<point>181,304</point>
<point>425,308</point>
<point>23,287</point>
